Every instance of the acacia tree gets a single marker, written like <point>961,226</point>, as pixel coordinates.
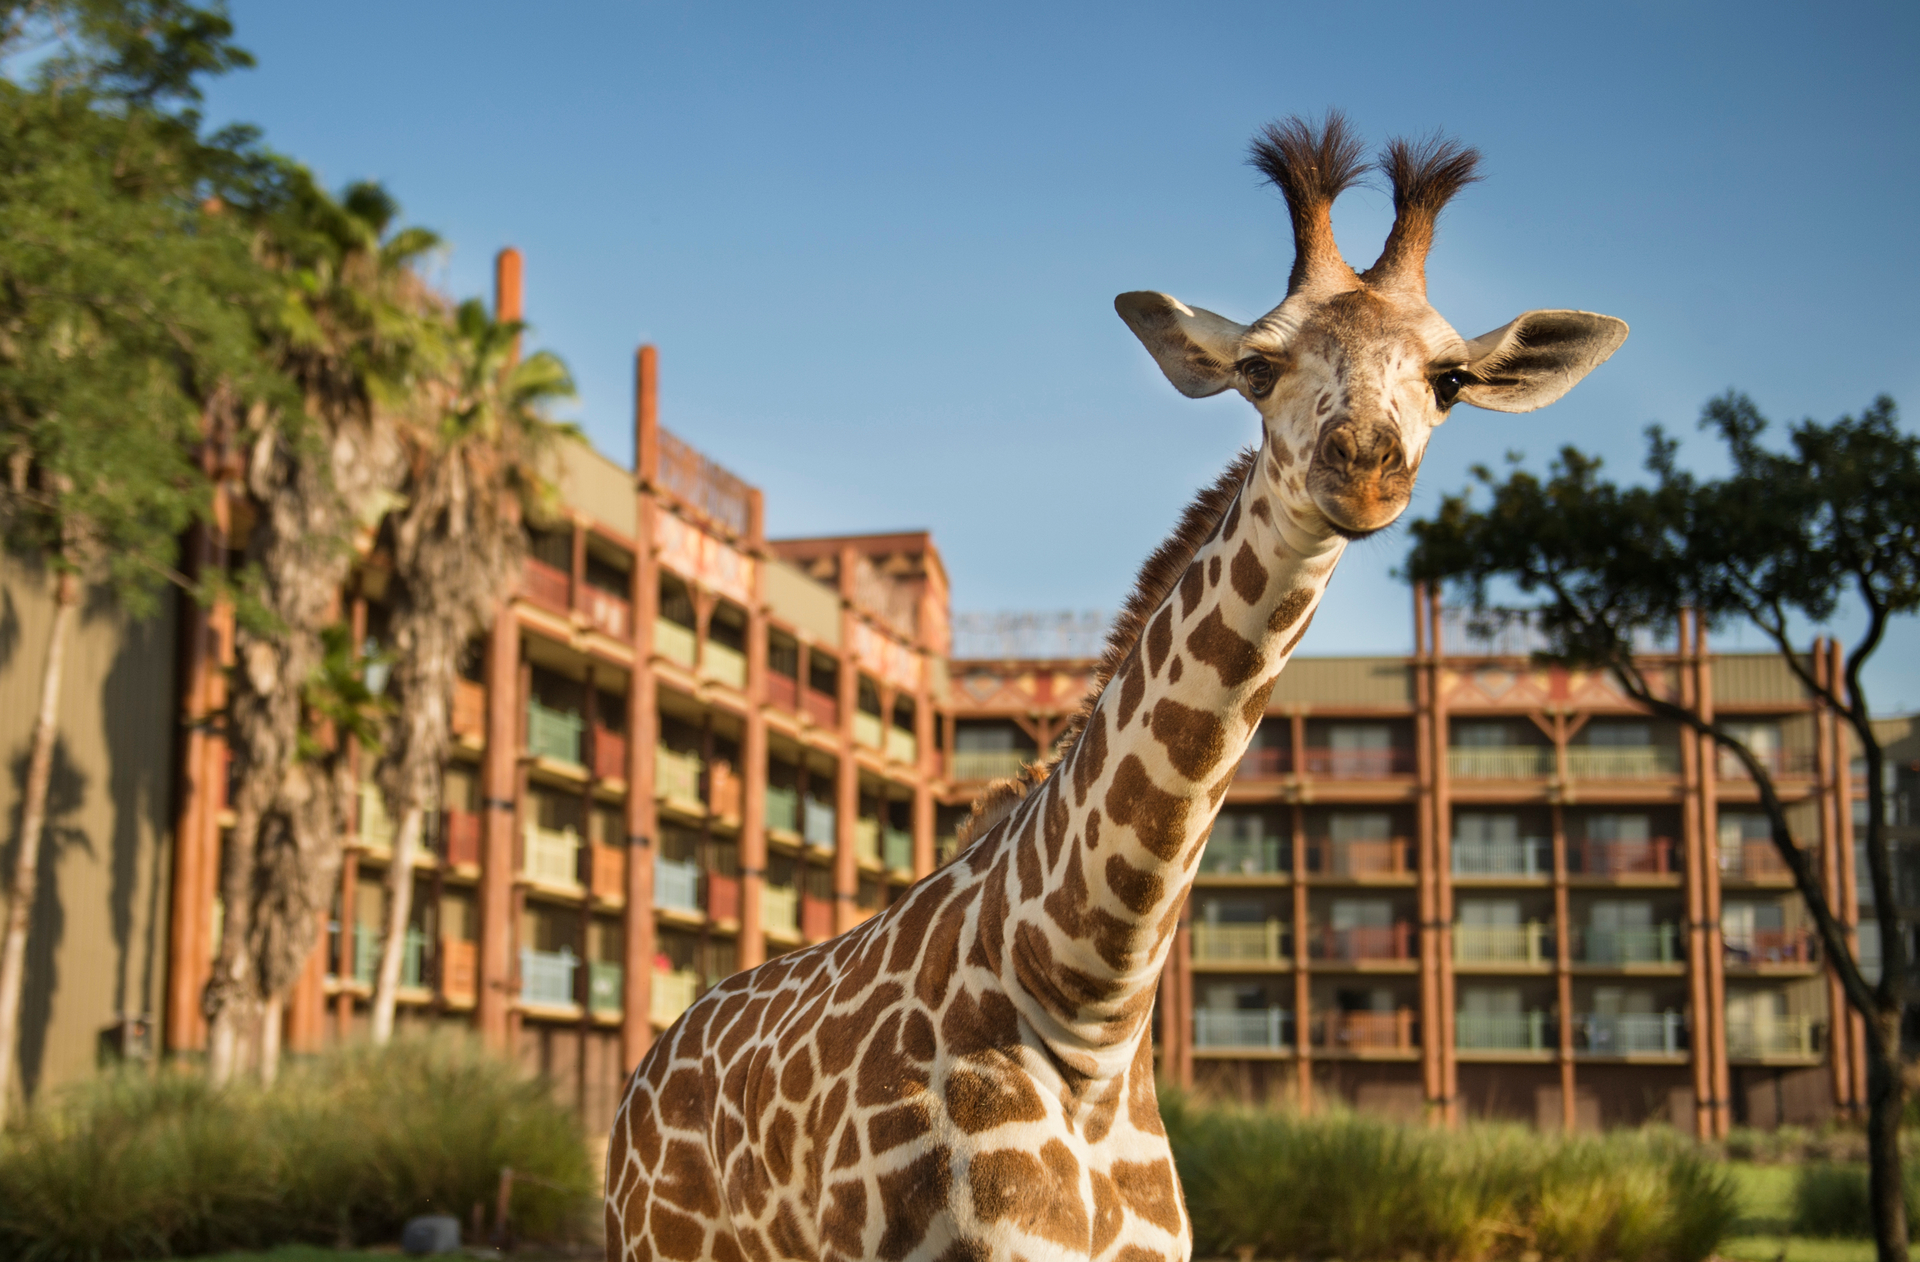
<point>475,472</point>
<point>1787,538</point>
<point>124,312</point>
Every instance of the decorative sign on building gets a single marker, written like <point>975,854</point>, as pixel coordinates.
<point>695,554</point>
<point>886,657</point>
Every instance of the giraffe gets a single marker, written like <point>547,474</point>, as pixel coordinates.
<point>969,1074</point>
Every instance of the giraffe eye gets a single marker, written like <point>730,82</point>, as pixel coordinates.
<point>1446,387</point>
<point>1259,374</point>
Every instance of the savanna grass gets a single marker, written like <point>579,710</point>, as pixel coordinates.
<point>342,1150</point>
<point>1359,1189</point>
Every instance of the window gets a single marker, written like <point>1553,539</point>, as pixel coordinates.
<point>1618,827</point>
<point>1614,734</point>
<point>1482,735</point>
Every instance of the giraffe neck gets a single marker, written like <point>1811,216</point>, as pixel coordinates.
<point>1099,858</point>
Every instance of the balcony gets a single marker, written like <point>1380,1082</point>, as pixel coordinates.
<point>1756,947</point>
<point>1530,857</point>
<point>783,808</point>
<point>673,642</point>
<point>673,993</point>
<point>459,970</point>
<point>866,839</point>
<point>1364,944</point>
<point>723,790</point>
<point>1656,944</point>
<point>552,857</point>
<point>902,746</point>
<point>1758,1038</point>
<point>822,708</point>
<point>605,989</point>
<point>1253,1029</point>
<point>1367,1031</point>
<point>469,720</point>
<point>376,827</point>
<point>1622,762</point>
<point>723,896</point>
<point>1358,764</point>
<point>1630,1034</point>
<point>896,850</point>
<point>553,733</point>
<point>676,779</point>
<point>461,833</point>
<point>1776,763</point>
<point>780,910</point>
<point>1502,1032</point>
<point>821,823</point>
<point>724,665</point>
<point>609,613</point>
<point>609,754</point>
<point>1264,943</point>
<point>546,977</point>
<point>1651,856</point>
<point>676,884</point>
<point>1243,856</point>
<point>988,764</point>
<point>816,917</point>
<point>1386,857</point>
<point>1264,763</point>
<point>867,730</point>
<point>783,691</point>
<point>1500,762</point>
<point>544,585</point>
<point>1529,945</point>
<point>1753,861</point>
<point>609,880</point>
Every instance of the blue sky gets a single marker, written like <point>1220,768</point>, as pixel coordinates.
<point>878,245</point>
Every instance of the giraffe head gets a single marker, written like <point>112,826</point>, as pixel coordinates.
<point>1352,371</point>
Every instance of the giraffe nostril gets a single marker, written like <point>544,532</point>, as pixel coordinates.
<point>1340,449</point>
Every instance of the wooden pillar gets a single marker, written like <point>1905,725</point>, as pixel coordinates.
<point>636,1028</point>
<point>753,755</point>
<point>926,769</point>
<point>499,787</point>
<point>1302,980</point>
<point>1710,862</point>
<point>1426,753</point>
<point>1696,823</point>
<point>1443,865</point>
<point>1563,950</point>
<point>846,872</point>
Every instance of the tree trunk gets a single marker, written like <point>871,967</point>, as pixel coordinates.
<point>33,823</point>
<point>1886,1102</point>
<point>393,945</point>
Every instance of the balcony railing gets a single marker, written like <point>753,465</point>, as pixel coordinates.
<point>783,808</point>
<point>1650,857</point>
<point>1381,942</point>
<point>1253,943</point>
<point>822,823</point>
<point>1244,856</point>
<point>723,896</point>
<point>459,969</point>
<point>546,977</point>
<point>376,827</point>
<point>553,733</point>
<point>605,993</point>
<point>1367,1031</point>
<point>896,849</point>
<point>673,642</point>
<point>676,884</point>
<point>1656,944</point>
<point>1532,856</point>
<point>469,720</point>
<point>866,839</point>
<point>1517,1032</point>
<point>988,764</point>
<point>723,790</point>
<point>902,746</point>
<point>545,585</point>
<point>1753,861</point>
<point>676,778</point>
<point>1385,857</point>
<point>1500,762</point>
<point>1265,763</point>
<point>1269,1029</point>
<point>783,690</point>
<point>609,754</point>
<point>366,955</point>
<point>780,909</point>
<point>1754,1038</point>
<point>609,882</point>
<point>816,917</point>
<point>1776,762</point>
<point>724,665</point>
<point>673,993</point>
<point>1530,944</point>
<point>1630,1033</point>
<point>1358,764</point>
<point>822,707</point>
<point>609,613</point>
<point>552,856</point>
<point>461,833</point>
<point>1768,946</point>
<point>867,730</point>
<point>1622,762</point>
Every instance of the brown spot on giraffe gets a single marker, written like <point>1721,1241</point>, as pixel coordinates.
<point>1218,645</point>
<point>1195,740</point>
<point>1248,576</point>
<point>1159,640</point>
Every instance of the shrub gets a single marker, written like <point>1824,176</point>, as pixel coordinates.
<point>345,1148</point>
<point>1830,1199</point>
<point>1357,1188</point>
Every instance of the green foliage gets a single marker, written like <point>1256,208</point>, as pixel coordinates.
<point>343,1149</point>
<point>1356,1188</point>
<point>1830,1199</point>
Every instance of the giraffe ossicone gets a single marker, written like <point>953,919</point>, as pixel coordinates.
<point>969,1074</point>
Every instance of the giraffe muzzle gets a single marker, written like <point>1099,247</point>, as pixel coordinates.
<point>1360,478</point>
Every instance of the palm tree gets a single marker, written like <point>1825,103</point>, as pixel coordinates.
<point>476,470</point>
<point>353,333</point>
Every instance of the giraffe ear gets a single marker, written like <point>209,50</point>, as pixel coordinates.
<point>1195,348</point>
<point>1537,358</point>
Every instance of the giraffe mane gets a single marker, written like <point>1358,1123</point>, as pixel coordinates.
<point>1161,570</point>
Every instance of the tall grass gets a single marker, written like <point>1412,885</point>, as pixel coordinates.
<point>342,1150</point>
<point>1360,1189</point>
<point>1831,1199</point>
